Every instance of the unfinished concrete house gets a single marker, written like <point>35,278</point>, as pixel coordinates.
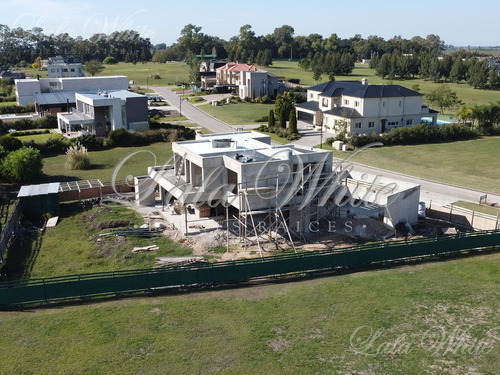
<point>256,188</point>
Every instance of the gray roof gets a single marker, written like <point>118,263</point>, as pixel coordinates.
<point>359,90</point>
<point>43,189</point>
<point>343,112</point>
<point>124,94</point>
<point>52,98</point>
<point>310,105</point>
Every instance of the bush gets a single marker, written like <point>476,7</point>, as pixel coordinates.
<point>78,157</point>
<point>22,166</point>
<point>90,141</point>
<point>110,60</point>
<point>17,109</point>
<point>294,80</point>
<point>10,143</point>
<point>54,146</point>
<point>155,75</point>
<point>262,119</point>
<point>47,122</point>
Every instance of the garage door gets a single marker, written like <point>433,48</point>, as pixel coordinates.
<point>306,117</point>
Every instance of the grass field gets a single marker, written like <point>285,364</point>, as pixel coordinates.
<point>416,315</point>
<point>465,92</point>
<point>104,162</point>
<point>37,138</point>
<point>238,113</point>
<point>72,247</point>
<point>4,104</point>
<point>478,208</point>
<point>474,164</point>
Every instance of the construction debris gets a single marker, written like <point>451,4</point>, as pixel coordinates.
<point>140,232</point>
<point>145,248</point>
<point>52,222</point>
<point>178,261</point>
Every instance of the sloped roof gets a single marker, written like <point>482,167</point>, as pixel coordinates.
<point>234,67</point>
<point>311,105</point>
<point>51,98</point>
<point>360,90</point>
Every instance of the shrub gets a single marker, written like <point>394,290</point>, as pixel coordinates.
<point>54,146</point>
<point>17,109</point>
<point>78,157</point>
<point>10,143</point>
<point>47,122</point>
<point>110,60</point>
<point>23,165</point>
<point>262,119</point>
<point>90,141</point>
<point>155,75</point>
<point>294,80</point>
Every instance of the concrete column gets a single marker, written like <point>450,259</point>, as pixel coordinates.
<point>144,191</point>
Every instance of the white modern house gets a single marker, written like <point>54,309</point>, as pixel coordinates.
<point>46,90</point>
<point>254,84</point>
<point>60,67</point>
<point>362,108</point>
<point>99,113</point>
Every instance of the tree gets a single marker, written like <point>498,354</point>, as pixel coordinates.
<point>93,67</point>
<point>270,120</point>
<point>384,66</point>
<point>494,78</point>
<point>283,106</point>
<point>292,122</point>
<point>443,97</point>
<point>478,74</point>
<point>465,114</point>
<point>23,165</point>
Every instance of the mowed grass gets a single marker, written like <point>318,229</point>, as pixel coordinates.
<point>4,104</point>
<point>405,320</point>
<point>141,73</point>
<point>466,93</point>
<point>478,208</point>
<point>473,164</point>
<point>238,113</point>
<point>37,138</point>
<point>103,163</point>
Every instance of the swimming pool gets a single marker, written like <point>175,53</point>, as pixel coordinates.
<point>428,120</point>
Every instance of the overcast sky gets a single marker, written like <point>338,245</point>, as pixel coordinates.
<point>456,22</point>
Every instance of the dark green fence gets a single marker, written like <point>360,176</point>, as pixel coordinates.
<point>109,283</point>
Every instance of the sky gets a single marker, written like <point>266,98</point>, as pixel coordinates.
<point>459,23</point>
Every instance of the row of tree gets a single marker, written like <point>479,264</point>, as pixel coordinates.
<point>484,116</point>
<point>451,68</point>
<point>331,64</point>
<point>18,45</point>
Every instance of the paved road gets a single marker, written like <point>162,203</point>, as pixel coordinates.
<point>193,113</point>
<point>430,190</point>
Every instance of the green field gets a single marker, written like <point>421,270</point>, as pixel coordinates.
<point>465,92</point>
<point>4,104</point>
<point>478,208</point>
<point>37,138</point>
<point>238,113</point>
<point>73,246</point>
<point>104,162</point>
<point>473,164</point>
<point>416,314</point>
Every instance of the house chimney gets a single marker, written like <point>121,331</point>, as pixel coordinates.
<point>364,81</point>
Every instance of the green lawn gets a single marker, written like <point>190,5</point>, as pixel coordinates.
<point>465,92</point>
<point>169,73</point>
<point>4,104</point>
<point>478,208</point>
<point>37,138</point>
<point>474,164</point>
<point>104,163</point>
<point>238,113</point>
<point>416,315</point>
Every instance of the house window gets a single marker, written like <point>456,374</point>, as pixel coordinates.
<point>400,103</point>
<point>325,102</point>
<point>346,101</point>
<point>356,103</point>
<point>371,124</point>
<point>65,70</point>
<point>326,120</point>
<point>335,122</point>
<point>357,125</point>
<point>383,104</point>
<point>409,122</point>
<point>393,123</point>
<point>311,95</point>
<point>52,70</point>
<point>72,69</point>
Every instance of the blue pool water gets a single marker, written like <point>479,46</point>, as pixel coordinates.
<point>439,122</point>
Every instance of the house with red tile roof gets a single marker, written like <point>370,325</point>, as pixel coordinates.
<point>229,73</point>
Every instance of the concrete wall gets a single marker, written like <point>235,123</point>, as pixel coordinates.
<point>26,89</point>
<point>137,110</point>
<point>402,206</point>
<point>144,191</point>
<point>463,217</point>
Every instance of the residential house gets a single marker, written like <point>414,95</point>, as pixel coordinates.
<point>361,108</point>
<point>229,73</point>
<point>208,73</point>
<point>62,67</point>
<point>52,94</point>
<point>11,76</point>
<point>99,113</point>
<point>253,84</point>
